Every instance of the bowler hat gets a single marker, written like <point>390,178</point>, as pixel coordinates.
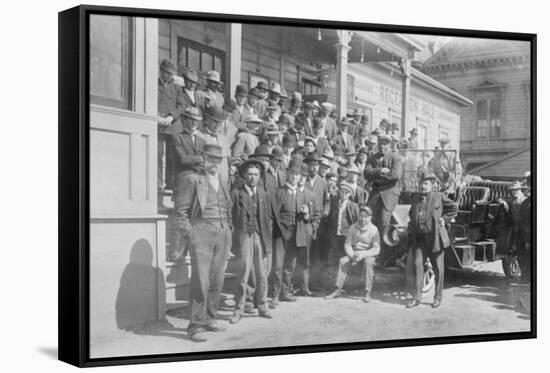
<point>192,112</point>
<point>241,90</point>
<point>344,121</point>
<point>261,85</point>
<point>251,161</point>
<point>191,75</point>
<point>272,129</point>
<point>255,92</point>
<point>261,151</point>
<point>277,153</point>
<point>312,157</point>
<point>214,112</point>
<point>212,150</point>
<point>213,76</point>
<point>304,169</point>
<point>229,105</point>
<point>294,165</point>
<point>168,66</point>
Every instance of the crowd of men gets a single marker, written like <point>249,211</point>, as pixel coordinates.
<point>286,185</point>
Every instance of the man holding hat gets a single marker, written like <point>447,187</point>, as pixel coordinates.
<point>253,215</point>
<point>428,237</point>
<point>211,95</point>
<point>295,214</point>
<point>383,171</point>
<point>362,244</point>
<point>170,107</point>
<point>213,118</point>
<point>202,210</point>
<point>248,139</point>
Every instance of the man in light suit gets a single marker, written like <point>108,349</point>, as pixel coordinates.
<point>213,118</point>
<point>211,95</point>
<point>429,213</point>
<point>203,214</point>
<point>383,170</point>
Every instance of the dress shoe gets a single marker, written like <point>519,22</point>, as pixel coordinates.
<point>335,294</point>
<point>249,308</point>
<point>198,336</point>
<point>235,318</point>
<point>264,312</point>
<point>413,303</point>
<point>436,303</point>
<point>306,293</point>
<point>367,298</point>
<point>215,328</point>
<point>288,298</point>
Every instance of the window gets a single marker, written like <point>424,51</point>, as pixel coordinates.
<point>310,87</point>
<point>111,56</point>
<point>422,135</point>
<point>202,58</point>
<point>488,110</point>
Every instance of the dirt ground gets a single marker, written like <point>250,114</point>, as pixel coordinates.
<point>476,301</point>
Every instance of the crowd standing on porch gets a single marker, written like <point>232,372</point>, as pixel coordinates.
<point>286,185</point>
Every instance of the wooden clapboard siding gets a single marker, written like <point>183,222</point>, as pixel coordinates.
<point>513,165</point>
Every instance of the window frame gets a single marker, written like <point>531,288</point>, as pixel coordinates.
<point>182,42</point>
<point>489,91</point>
<point>127,103</point>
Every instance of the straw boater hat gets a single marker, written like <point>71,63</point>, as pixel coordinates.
<point>275,88</point>
<point>252,118</point>
<point>213,76</point>
<point>191,75</point>
<point>168,66</point>
<point>315,104</point>
<point>192,113</point>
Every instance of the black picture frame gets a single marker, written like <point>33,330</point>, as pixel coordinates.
<point>74,190</point>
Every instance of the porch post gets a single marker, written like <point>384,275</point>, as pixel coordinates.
<point>405,93</point>
<point>233,33</point>
<point>342,49</point>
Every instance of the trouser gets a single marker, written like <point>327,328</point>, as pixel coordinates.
<point>164,146</point>
<point>210,243</point>
<point>277,266</point>
<point>422,251</point>
<point>344,267</point>
<point>524,261</point>
<point>293,254</point>
<point>253,261</point>
<point>381,218</point>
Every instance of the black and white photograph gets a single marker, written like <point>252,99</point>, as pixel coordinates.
<point>258,185</point>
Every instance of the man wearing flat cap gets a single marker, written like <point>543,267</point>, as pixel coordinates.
<point>430,212</point>
<point>203,214</point>
<point>170,107</point>
<point>211,95</point>
<point>253,216</point>
<point>383,171</point>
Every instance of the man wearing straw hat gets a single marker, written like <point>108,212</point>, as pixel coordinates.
<point>211,95</point>
<point>203,214</point>
<point>248,139</point>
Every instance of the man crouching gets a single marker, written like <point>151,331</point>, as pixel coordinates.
<point>362,245</point>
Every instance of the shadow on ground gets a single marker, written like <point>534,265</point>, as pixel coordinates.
<point>50,352</point>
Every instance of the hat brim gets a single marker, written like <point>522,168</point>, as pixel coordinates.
<point>190,116</point>
<point>169,70</point>
<point>213,118</point>
<point>215,80</point>
<point>213,155</point>
<point>187,77</point>
<point>248,162</point>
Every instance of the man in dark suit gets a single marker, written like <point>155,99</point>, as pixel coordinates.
<point>429,213</point>
<point>203,214</point>
<point>253,216</point>
<point>191,78</point>
<point>343,137</point>
<point>383,170</point>
<point>295,213</point>
<point>188,143</point>
<point>170,107</point>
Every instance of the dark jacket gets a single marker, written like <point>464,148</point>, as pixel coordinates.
<point>386,184</point>
<point>438,206</point>
<point>186,154</point>
<point>350,215</point>
<point>242,212</point>
<point>170,102</point>
<point>290,221</point>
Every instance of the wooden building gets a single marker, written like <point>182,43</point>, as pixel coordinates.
<point>495,75</point>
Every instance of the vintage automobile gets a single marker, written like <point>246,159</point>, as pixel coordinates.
<point>477,233</point>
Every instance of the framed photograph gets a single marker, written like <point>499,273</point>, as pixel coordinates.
<point>384,201</point>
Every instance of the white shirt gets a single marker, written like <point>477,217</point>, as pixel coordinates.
<point>340,216</point>
<point>291,189</point>
<point>251,191</point>
<point>214,181</point>
<point>191,95</point>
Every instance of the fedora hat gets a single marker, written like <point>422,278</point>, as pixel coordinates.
<point>192,113</point>
<point>252,118</point>
<point>213,76</point>
<point>275,88</point>
<point>251,161</point>
<point>241,90</point>
<point>294,165</point>
<point>312,157</point>
<point>277,153</point>
<point>215,113</point>
<point>261,85</point>
<point>255,92</point>
<point>191,75</point>
<point>261,151</point>
<point>283,93</point>
<point>212,150</point>
<point>364,150</point>
<point>168,66</point>
<point>344,121</point>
